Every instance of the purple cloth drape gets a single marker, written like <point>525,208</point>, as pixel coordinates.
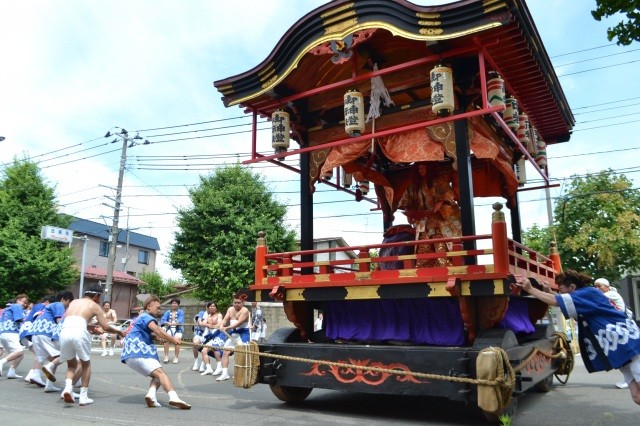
<point>417,321</point>
<point>516,318</point>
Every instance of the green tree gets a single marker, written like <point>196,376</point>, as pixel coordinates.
<point>215,244</point>
<point>626,32</point>
<point>597,226</point>
<point>538,238</point>
<point>155,284</point>
<point>29,264</point>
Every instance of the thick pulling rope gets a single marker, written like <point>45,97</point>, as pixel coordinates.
<point>495,382</point>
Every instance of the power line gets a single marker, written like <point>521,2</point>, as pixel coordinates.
<point>583,50</point>
<point>191,124</point>
<point>593,59</point>
<point>599,68</point>
<point>79,159</point>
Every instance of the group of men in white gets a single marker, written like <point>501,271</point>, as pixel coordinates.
<point>58,330</point>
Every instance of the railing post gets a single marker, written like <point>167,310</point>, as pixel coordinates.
<point>499,241</point>
<point>261,259</point>
<point>555,256</point>
<point>365,266</point>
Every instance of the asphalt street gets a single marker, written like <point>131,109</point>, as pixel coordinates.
<point>118,394</point>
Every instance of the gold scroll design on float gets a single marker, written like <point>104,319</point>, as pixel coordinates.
<point>316,160</point>
<point>354,374</point>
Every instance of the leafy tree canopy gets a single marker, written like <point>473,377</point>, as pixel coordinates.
<point>155,284</point>
<point>29,264</point>
<point>597,226</point>
<point>215,244</point>
<point>626,31</point>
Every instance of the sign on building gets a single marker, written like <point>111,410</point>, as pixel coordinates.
<point>56,234</point>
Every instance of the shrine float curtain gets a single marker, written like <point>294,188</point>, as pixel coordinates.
<point>415,321</point>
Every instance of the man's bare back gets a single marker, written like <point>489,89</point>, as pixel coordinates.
<point>87,308</point>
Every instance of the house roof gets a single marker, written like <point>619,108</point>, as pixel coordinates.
<point>100,230</point>
<point>396,32</point>
<point>118,276</point>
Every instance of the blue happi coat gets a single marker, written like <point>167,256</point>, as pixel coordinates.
<point>11,318</point>
<point>608,339</point>
<point>49,322</point>
<point>138,343</point>
<point>36,311</point>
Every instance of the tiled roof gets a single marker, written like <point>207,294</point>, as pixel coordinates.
<point>118,276</point>
<point>100,230</point>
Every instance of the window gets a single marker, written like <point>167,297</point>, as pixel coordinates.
<point>104,249</point>
<point>143,257</point>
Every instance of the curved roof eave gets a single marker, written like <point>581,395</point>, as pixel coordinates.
<point>338,19</point>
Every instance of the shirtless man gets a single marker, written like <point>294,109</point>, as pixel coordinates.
<point>75,340</point>
<point>112,318</point>
<point>237,318</point>
<point>212,337</point>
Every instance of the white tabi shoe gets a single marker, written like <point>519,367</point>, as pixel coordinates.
<point>151,402</point>
<point>49,387</point>
<point>223,377</point>
<point>207,371</point>
<point>179,404</point>
<point>218,370</point>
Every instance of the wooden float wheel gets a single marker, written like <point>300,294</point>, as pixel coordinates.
<point>290,394</point>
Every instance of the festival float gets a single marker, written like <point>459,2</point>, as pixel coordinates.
<point>422,111</point>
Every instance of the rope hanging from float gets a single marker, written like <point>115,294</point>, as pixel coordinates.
<point>503,378</point>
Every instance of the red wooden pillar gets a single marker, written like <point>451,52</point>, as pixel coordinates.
<point>499,240</point>
<point>261,258</point>
<point>364,266</point>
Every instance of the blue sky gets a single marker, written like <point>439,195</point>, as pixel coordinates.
<point>72,70</point>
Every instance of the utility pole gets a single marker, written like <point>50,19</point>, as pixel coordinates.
<point>116,218</point>
<point>127,142</point>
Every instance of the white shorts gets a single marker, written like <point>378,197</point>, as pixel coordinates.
<point>144,366</point>
<point>44,347</point>
<point>197,339</point>
<point>235,339</point>
<point>631,371</point>
<point>75,339</point>
<point>26,343</point>
<point>10,342</point>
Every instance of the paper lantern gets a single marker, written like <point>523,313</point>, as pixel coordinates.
<point>521,171</point>
<point>353,113</point>
<point>510,113</point>
<point>524,132</point>
<point>280,128</point>
<point>441,90</point>
<point>541,156</point>
<point>532,146</point>
<point>347,179</point>
<point>495,89</point>
<point>364,187</point>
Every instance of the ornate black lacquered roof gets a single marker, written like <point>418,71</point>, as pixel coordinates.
<point>503,29</point>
